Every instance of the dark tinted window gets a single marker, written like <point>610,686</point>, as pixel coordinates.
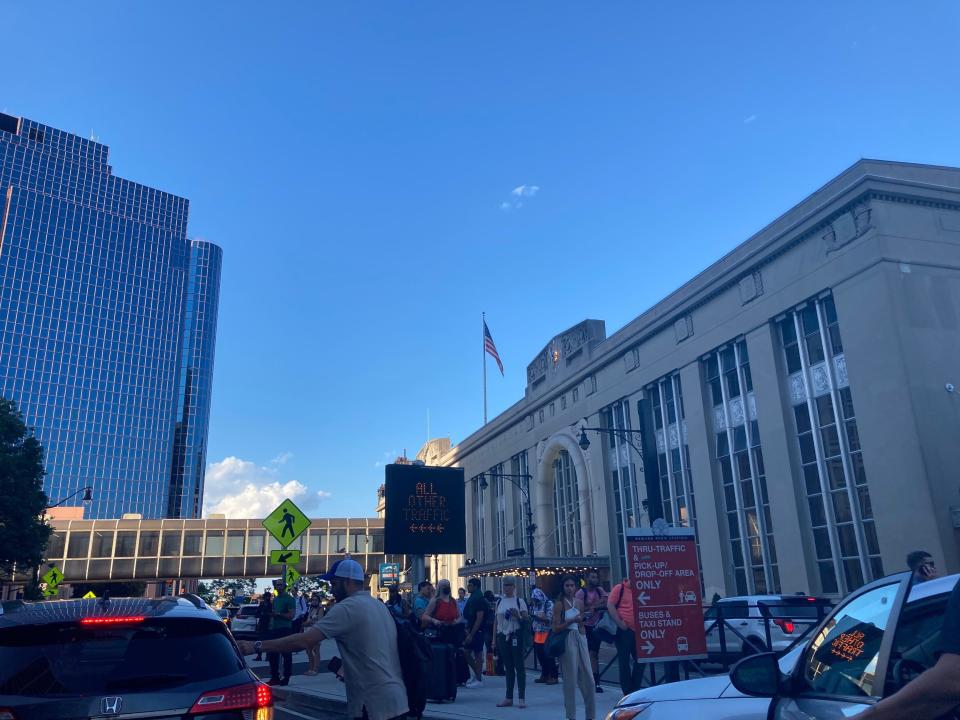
<point>734,610</point>
<point>68,659</point>
<point>796,608</point>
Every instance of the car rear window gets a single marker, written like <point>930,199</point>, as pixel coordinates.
<point>796,608</point>
<point>67,659</point>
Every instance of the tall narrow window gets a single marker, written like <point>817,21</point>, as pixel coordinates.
<point>479,549</point>
<point>518,467</point>
<point>499,513</point>
<point>622,469</point>
<point>673,455</point>
<point>739,456</point>
<point>841,518</point>
<point>566,501</point>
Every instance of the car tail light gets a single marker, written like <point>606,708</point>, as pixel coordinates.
<point>113,620</point>
<point>251,696</point>
<point>7,714</point>
<point>786,625</point>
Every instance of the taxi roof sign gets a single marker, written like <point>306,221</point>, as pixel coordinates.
<point>286,523</point>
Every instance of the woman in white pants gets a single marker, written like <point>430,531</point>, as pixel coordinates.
<point>575,661</point>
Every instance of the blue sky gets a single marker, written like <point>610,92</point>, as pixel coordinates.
<point>357,162</point>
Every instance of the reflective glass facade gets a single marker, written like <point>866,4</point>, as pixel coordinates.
<point>196,379</point>
<point>94,274</point>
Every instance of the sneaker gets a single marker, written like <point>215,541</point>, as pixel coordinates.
<point>473,683</point>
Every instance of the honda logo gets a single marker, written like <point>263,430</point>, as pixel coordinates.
<point>110,705</point>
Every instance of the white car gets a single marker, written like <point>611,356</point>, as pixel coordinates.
<point>873,643</point>
<point>245,621</point>
<point>744,621</point>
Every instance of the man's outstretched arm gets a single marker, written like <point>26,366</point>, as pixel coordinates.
<point>290,643</point>
<point>933,694</point>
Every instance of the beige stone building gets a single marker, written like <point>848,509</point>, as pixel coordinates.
<point>797,402</point>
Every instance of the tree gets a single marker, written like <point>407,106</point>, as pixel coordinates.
<point>23,530</point>
<point>226,590</point>
<point>310,585</point>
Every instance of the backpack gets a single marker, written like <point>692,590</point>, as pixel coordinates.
<point>416,657</point>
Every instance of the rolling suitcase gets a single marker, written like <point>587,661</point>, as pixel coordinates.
<point>442,684</point>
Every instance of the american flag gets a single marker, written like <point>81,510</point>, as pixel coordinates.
<point>490,347</point>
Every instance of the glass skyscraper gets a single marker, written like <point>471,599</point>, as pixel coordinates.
<point>107,324</point>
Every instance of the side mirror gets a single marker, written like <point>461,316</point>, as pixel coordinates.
<point>758,675</point>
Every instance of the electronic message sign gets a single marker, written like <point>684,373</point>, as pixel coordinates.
<point>424,511</point>
<point>665,577</point>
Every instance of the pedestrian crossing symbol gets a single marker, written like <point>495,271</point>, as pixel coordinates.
<point>286,523</point>
<point>52,577</point>
<point>291,577</point>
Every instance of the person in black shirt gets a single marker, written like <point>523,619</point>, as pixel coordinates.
<point>936,691</point>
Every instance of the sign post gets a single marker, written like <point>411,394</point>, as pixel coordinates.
<point>665,577</point>
<point>286,523</point>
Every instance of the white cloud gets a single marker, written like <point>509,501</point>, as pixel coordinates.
<point>525,190</point>
<point>242,489</point>
<point>282,459</point>
<point>749,120</point>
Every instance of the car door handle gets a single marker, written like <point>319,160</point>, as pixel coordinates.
<point>743,624</point>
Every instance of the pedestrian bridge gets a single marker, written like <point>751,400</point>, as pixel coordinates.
<point>125,550</point>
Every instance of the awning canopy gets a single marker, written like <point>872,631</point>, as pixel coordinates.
<point>544,566</point>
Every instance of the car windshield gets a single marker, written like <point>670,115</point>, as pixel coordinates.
<point>67,659</point>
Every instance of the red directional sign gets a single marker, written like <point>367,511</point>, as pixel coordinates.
<point>665,577</point>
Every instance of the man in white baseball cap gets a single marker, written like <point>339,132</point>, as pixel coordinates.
<point>367,640</point>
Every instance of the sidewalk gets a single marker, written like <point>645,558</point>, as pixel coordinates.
<point>322,695</point>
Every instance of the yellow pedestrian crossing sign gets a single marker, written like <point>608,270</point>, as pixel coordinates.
<point>52,577</point>
<point>292,576</point>
<point>90,595</point>
<point>286,523</point>
<point>281,557</point>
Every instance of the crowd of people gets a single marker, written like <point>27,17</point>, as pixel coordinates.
<point>484,626</point>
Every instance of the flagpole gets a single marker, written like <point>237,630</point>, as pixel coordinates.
<point>483,339</point>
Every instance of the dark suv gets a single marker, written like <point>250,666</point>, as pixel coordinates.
<point>167,659</point>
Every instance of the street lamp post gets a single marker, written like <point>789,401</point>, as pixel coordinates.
<point>86,500</point>
<point>523,487</point>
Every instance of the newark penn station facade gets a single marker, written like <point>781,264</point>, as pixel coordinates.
<point>797,403</point>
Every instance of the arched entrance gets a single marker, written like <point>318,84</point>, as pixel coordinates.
<point>564,508</point>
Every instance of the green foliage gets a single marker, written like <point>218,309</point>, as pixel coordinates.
<point>310,585</point>
<point>23,531</point>
<point>226,591</point>
<point>116,589</point>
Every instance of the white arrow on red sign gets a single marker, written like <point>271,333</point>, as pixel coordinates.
<point>648,648</point>
<point>644,598</point>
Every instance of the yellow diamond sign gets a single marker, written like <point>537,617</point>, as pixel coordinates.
<point>52,577</point>
<point>90,595</point>
<point>286,523</point>
<point>291,577</point>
